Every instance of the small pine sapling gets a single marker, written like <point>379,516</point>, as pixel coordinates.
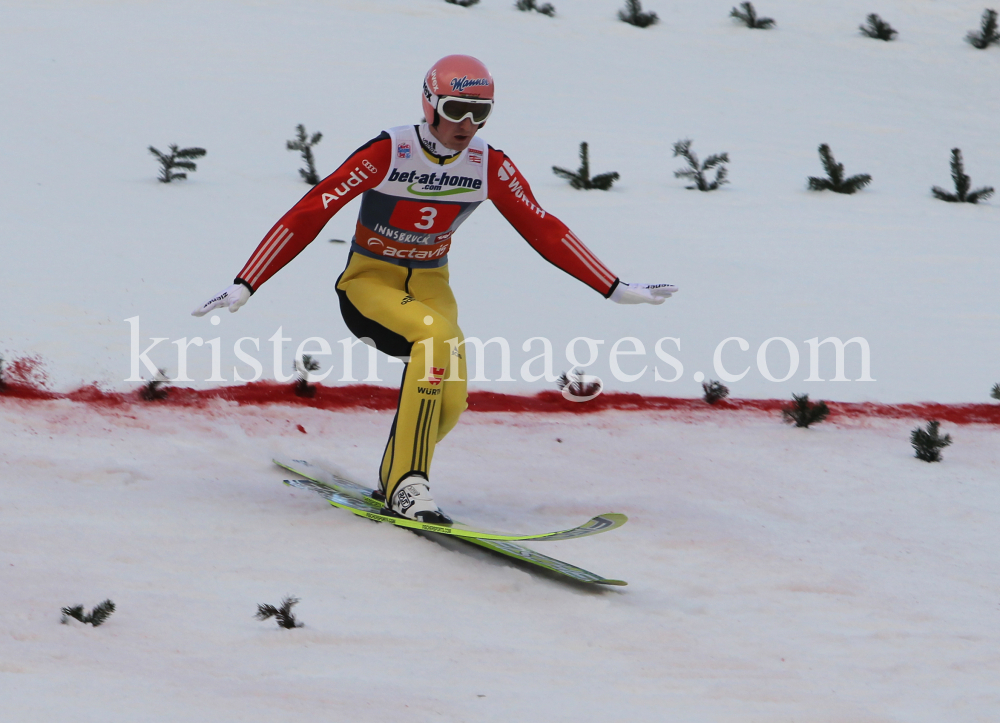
<point>748,16</point>
<point>98,615</point>
<point>802,412</point>
<point>633,15</point>
<point>304,143</point>
<point>178,158</point>
<point>283,615</point>
<point>962,184</point>
<point>578,385</point>
<point>995,392</point>
<point>928,443</point>
<point>462,3</point>
<point>526,5</point>
<point>302,386</point>
<point>835,172</point>
<point>987,34</point>
<point>878,28</point>
<point>714,391</point>
<point>153,390</point>
<point>581,178</point>
<point>696,173</point>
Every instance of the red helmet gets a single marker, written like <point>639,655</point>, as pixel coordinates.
<point>458,76</point>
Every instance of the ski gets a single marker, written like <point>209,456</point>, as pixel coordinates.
<point>349,495</point>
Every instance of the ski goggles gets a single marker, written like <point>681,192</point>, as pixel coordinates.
<point>456,109</point>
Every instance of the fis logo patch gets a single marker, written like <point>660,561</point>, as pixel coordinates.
<point>475,156</point>
<point>403,150</point>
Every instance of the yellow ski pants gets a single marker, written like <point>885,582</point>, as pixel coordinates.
<point>410,312</point>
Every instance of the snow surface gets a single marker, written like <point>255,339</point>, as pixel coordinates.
<point>775,574</point>
<point>91,238</point>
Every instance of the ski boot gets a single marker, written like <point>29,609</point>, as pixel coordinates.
<point>412,499</point>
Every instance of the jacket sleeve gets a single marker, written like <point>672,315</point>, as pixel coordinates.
<point>363,171</point>
<point>549,236</point>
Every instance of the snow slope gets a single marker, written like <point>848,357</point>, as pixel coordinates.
<point>775,574</point>
<point>91,239</point>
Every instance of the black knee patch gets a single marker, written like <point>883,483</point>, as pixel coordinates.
<point>386,340</point>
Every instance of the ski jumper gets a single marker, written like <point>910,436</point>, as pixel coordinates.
<point>394,292</point>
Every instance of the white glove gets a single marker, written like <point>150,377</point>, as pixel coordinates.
<point>234,297</point>
<point>642,293</point>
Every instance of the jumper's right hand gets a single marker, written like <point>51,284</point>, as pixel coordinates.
<point>234,297</point>
<point>642,293</point>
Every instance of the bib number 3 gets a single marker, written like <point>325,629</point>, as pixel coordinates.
<point>428,214</point>
<point>424,217</point>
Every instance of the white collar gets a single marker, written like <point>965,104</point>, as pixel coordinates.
<point>432,145</point>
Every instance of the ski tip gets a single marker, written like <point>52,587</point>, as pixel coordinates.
<point>620,583</point>
<point>608,521</point>
<point>617,517</point>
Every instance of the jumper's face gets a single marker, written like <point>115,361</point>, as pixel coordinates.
<point>456,136</point>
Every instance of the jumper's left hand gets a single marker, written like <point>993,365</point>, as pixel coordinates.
<point>642,293</point>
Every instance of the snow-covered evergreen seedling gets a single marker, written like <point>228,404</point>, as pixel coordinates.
<point>581,178</point>
<point>178,158</point>
<point>462,3</point>
<point>153,389</point>
<point>304,143</point>
<point>802,413</point>
<point>962,184</point>
<point>928,443</point>
<point>748,16</point>
<point>878,28</point>
<point>714,391</point>
<point>283,615</point>
<point>98,615</point>
<point>633,15</point>
<point>696,173</point>
<point>995,392</point>
<point>302,386</point>
<point>578,385</point>
<point>835,172</point>
<point>526,5</point>
<point>987,34</point>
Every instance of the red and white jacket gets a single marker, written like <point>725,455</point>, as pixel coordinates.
<point>412,206</point>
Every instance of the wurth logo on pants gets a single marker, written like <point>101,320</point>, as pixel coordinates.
<point>435,376</point>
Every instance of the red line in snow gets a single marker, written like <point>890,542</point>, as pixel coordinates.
<point>368,396</point>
